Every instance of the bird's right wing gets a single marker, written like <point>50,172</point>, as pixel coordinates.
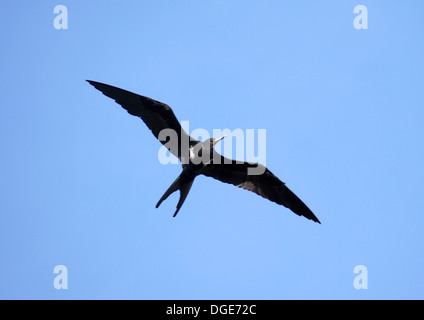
<point>156,115</point>
<point>266,185</point>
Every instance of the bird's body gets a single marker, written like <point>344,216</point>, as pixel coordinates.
<point>200,157</point>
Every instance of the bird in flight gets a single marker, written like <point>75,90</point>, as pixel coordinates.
<point>192,153</point>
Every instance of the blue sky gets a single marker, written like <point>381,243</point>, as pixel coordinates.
<point>342,108</point>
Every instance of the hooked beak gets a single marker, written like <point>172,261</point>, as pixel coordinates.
<point>217,140</point>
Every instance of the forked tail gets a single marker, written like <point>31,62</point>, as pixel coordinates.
<point>177,185</point>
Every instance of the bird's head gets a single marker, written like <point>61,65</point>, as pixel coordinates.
<point>214,141</point>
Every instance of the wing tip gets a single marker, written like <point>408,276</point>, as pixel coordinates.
<point>308,215</point>
<point>93,83</point>
<point>315,219</point>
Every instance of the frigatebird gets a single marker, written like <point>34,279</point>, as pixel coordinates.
<point>159,117</point>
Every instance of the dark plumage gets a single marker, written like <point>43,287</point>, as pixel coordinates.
<point>159,116</point>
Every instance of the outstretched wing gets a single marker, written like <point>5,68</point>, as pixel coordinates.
<point>266,185</point>
<point>156,115</point>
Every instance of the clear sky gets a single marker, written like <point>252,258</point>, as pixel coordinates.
<point>343,112</point>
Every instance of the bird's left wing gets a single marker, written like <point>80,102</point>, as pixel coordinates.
<point>156,115</point>
<point>266,185</point>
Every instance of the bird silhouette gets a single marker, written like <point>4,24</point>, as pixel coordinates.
<point>200,157</point>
